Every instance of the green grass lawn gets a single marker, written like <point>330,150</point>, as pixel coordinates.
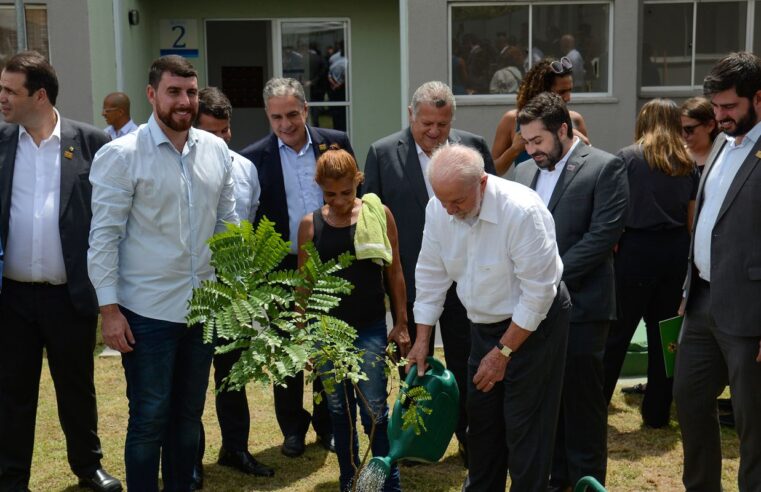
<point>639,458</point>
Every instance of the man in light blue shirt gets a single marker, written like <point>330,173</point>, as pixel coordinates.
<point>720,341</point>
<point>158,195</point>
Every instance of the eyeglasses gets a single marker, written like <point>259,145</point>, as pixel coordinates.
<point>690,129</point>
<point>561,66</point>
<point>108,110</point>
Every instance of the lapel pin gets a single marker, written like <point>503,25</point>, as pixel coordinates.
<point>69,153</point>
<point>758,154</point>
<point>571,167</point>
<point>323,147</point>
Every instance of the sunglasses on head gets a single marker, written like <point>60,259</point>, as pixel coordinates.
<point>690,129</point>
<point>561,66</point>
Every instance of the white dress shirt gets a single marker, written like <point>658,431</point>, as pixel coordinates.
<point>424,161</point>
<point>302,193</point>
<point>128,128</point>
<point>247,189</point>
<point>720,176</point>
<point>506,264</point>
<point>154,208</point>
<point>33,250</point>
<point>547,180</point>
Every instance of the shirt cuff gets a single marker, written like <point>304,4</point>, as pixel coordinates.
<point>526,319</point>
<point>427,314</point>
<point>107,295</point>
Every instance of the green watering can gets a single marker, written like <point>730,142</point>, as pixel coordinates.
<point>431,444</point>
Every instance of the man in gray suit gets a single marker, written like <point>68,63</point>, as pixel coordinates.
<point>720,341</point>
<point>586,190</point>
<point>395,170</point>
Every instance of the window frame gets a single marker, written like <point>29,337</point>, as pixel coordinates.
<point>649,91</point>
<point>276,54</point>
<point>28,7</point>
<point>578,97</point>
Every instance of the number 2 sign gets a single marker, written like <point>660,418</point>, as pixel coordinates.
<point>179,37</point>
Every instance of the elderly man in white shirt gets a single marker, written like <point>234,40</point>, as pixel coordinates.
<point>496,239</point>
<point>158,195</point>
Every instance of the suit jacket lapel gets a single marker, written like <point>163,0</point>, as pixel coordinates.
<point>71,158</point>
<point>570,171</point>
<point>318,143</point>
<point>8,146</point>
<point>411,166</point>
<point>746,168</point>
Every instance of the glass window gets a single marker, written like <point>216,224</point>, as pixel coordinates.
<point>491,49</point>
<point>669,31</point>
<point>720,29</point>
<point>580,33</point>
<point>36,31</point>
<point>315,53</point>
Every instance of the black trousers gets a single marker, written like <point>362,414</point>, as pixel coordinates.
<point>581,444</point>
<point>512,427</point>
<point>232,408</point>
<point>650,270</point>
<point>292,418</point>
<point>34,317</point>
<point>455,335</point>
<point>709,358</point>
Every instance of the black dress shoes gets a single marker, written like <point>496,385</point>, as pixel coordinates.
<point>293,446</point>
<point>326,441</point>
<point>100,481</point>
<point>196,481</point>
<point>244,462</point>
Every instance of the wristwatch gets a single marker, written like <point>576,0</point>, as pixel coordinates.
<point>504,350</point>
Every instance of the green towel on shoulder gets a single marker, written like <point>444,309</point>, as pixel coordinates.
<point>370,237</point>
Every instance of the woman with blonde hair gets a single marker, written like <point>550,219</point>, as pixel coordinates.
<point>545,76</point>
<point>651,260</point>
<point>365,228</point>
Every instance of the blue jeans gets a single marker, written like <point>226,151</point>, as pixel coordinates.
<point>167,375</point>
<point>372,339</point>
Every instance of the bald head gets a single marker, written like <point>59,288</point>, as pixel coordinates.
<point>116,109</point>
<point>457,176</point>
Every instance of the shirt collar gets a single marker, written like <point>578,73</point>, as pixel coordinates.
<point>56,129</point>
<point>159,137</point>
<point>282,144</point>
<point>751,136</point>
<point>562,162</point>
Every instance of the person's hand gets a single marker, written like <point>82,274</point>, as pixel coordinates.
<point>518,145</point>
<point>758,357</point>
<point>401,337</point>
<point>682,307</point>
<point>490,370</point>
<point>581,136</point>
<point>116,331</point>
<point>417,355</point>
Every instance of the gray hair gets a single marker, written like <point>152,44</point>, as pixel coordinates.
<point>456,161</point>
<point>279,87</point>
<point>435,93</point>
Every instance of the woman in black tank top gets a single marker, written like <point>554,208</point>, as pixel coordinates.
<point>332,228</point>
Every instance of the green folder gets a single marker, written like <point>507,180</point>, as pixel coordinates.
<point>669,329</point>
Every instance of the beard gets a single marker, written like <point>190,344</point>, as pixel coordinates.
<point>472,213</point>
<point>552,158</point>
<point>743,125</point>
<point>165,115</point>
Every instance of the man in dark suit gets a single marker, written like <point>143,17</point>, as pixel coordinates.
<point>47,300</point>
<point>587,191</point>
<point>285,161</point>
<point>720,341</point>
<point>395,170</point>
